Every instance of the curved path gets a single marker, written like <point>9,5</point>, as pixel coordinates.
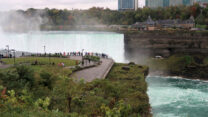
<point>2,66</point>
<point>98,72</point>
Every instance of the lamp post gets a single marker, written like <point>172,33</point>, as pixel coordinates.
<point>44,47</point>
<point>82,56</point>
<point>7,46</point>
<point>13,50</point>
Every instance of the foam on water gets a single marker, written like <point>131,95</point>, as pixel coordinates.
<point>176,97</point>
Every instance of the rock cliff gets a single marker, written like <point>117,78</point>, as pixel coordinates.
<point>165,43</point>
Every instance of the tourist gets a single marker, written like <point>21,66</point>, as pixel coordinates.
<point>53,63</point>
<point>82,62</point>
<point>23,54</point>
<point>77,62</point>
<point>89,60</point>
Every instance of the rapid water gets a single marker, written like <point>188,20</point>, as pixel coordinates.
<point>169,97</point>
<point>177,97</point>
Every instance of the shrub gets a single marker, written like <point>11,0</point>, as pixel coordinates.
<point>46,79</point>
<point>9,79</point>
<point>120,110</point>
<point>26,75</point>
<point>177,63</point>
<point>43,103</point>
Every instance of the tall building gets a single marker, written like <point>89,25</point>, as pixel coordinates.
<point>127,5</point>
<point>167,3</point>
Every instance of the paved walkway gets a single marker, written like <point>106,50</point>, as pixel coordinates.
<point>98,72</point>
<point>4,66</point>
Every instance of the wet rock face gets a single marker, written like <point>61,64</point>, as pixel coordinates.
<point>165,44</point>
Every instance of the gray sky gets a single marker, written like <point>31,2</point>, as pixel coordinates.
<point>60,4</point>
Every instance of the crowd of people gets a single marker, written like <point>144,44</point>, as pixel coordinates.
<point>64,54</point>
<point>102,55</point>
<point>3,56</point>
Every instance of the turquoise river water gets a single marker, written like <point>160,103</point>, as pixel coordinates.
<point>169,96</point>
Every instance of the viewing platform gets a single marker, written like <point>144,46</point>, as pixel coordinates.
<point>97,72</point>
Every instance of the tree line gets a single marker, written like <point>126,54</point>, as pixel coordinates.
<point>97,15</point>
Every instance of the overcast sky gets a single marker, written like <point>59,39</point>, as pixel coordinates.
<point>60,4</point>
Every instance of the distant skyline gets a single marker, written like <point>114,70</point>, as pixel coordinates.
<point>6,5</point>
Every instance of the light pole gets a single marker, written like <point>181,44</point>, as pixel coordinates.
<point>82,56</point>
<point>13,50</point>
<point>44,47</point>
<point>7,46</point>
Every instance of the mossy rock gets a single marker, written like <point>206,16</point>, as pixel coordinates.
<point>131,63</point>
<point>126,68</point>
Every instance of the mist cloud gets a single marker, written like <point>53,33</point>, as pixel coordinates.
<point>14,21</point>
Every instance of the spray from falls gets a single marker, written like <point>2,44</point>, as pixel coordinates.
<point>22,21</point>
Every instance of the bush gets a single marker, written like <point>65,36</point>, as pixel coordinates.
<point>18,78</point>
<point>46,79</point>
<point>120,110</point>
<point>26,75</point>
<point>177,63</point>
<point>9,79</point>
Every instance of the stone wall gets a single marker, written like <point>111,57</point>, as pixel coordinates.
<point>163,43</point>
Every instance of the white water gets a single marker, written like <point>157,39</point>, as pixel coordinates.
<point>177,97</point>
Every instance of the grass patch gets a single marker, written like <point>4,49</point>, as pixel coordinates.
<point>40,60</point>
<point>135,72</point>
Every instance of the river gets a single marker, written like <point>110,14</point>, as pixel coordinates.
<point>169,97</point>
<point>177,97</point>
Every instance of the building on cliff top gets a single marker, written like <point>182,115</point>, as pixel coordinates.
<point>168,3</point>
<point>149,24</point>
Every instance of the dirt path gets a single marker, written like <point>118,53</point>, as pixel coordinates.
<point>98,72</point>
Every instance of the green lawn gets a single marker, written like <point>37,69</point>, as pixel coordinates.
<point>135,72</point>
<point>43,65</point>
<point>40,60</point>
